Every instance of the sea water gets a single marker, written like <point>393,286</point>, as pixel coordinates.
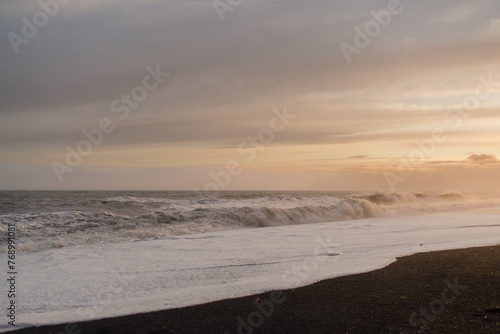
<point>88,255</point>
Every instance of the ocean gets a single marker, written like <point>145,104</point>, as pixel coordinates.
<point>53,219</point>
<point>84,255</point>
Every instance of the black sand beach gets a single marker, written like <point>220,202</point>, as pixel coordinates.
<point>455,291</point>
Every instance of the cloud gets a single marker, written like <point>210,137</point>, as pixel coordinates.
<point>226,77</point>
<point>483,159</point>
<point>106,49</point>
<point>459,13</point>
<point>474,159</point>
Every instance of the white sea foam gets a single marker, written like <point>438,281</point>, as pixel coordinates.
<point>163,216</point>
<point>81,282</point>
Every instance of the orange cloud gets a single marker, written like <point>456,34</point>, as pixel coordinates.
<point>482,158</point>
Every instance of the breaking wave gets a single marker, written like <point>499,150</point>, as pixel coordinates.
<point>163,217</point>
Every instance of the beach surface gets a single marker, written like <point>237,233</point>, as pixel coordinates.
<point>118,256</point>
<point>453,291</point>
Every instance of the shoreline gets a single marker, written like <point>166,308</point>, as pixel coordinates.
<point>452,291</point>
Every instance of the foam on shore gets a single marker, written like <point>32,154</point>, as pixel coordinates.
<point>107,280</point>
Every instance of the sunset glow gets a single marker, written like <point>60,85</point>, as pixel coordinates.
<point>357,117</point>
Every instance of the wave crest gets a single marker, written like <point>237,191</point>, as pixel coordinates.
<point>167,217</point>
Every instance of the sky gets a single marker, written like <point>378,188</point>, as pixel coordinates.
<point>250,95</point>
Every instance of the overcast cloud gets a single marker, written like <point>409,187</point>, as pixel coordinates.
<point>227,76</point>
